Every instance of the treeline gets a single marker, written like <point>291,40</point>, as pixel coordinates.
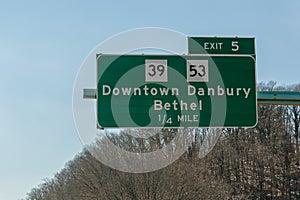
<point>257,163</point>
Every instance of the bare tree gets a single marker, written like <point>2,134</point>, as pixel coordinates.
<point>257,163</point>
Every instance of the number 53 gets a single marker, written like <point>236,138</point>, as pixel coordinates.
<point>197,70</point>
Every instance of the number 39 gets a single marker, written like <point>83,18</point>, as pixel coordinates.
<point>154,69</point>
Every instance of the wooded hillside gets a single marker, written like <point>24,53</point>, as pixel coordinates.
<point>257,163</point>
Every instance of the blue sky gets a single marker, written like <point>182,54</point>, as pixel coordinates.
<point>43,43</point>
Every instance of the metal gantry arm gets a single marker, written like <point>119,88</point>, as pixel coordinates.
<point>263,97</point>
<point>89,93</point>
<point>278,97</point>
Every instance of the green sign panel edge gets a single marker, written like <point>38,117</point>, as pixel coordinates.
<point>162,57</point>
<point>222,45</point>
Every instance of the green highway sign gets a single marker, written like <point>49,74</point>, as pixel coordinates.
<point>221,45</point>
<point>176,91</point>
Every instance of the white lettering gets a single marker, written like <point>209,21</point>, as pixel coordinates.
<point>211,91</point>
<point>164,91</point>
<point>229,91</point>
<point>146,90</point>
<point>206,45</point>
<point>175,91</point>
<point>135,91</point>
<point>220,91</point>
<point>157,105</point>
<point>191,90</point>
<point>220,45</point>
<point>174,105</point>
<point>247,92</point>
<point>127,91</point>
<point>116,91</point>
<point>104,92</point>
<point>167,106</point>
<point>200,91</point>
<point>188,118</point>
<point>200,105</point>
<point>193,106</point>
<point>238,91</point>
<point>153,91</point>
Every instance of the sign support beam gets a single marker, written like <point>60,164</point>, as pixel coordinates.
<point>278,98</point>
